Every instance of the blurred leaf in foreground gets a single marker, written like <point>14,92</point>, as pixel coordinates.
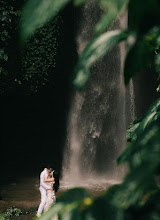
<point>36,13</point>
<point>144,163</point>
<point>130,135</point>
<point>103,209</point>
<point>152,115</point>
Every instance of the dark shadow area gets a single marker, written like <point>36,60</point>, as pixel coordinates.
<point>145,85</point>
<point>34,126</point>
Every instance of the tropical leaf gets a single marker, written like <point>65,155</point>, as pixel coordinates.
<point>112,9</point>
<point>96,49</point>
<point>103,209</point>
<point>153,114</point>
<point>130,134</point>
<point>73,195</point>
<point>144,162</point>
<point>36,13</point>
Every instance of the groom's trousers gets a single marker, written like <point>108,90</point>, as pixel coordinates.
<point>43,200</point>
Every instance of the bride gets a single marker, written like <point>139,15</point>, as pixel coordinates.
<point>51,198</point>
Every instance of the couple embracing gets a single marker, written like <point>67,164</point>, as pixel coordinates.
<point>47,191</point>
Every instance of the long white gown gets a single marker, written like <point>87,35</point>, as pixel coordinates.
<point>51,199</point>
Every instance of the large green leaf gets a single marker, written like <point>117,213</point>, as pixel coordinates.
<point>144,162</point>
<point>112,9</point>
<point>96,49</point>
<point>73,195</point>
<point>102,209</point>
<point>36,13</point>
<point>130,134</point>
<point>152,115</point>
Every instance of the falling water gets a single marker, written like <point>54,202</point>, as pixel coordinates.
<point>96,123</point>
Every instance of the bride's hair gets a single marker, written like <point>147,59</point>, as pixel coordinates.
<point>56,184</point>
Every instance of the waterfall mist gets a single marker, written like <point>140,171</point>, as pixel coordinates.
<point>97,120</point>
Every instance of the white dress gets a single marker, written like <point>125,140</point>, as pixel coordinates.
<point>51,199</point>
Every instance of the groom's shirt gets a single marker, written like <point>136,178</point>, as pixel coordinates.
<point>43,176</point>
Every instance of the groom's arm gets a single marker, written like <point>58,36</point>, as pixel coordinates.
<point>43,183</point>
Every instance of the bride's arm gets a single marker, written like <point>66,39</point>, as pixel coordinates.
<point>49,180</point>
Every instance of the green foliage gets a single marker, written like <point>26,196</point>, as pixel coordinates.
<point>93,52</point>
<point>30,69</point>
<point>36,13</point>
<point>101,208</point>
<point>39,57</point>
<point>130,134</point>
<point>9,14</point>
<point>11,212</point>
<point>144,163</point>
<point>137,127</point>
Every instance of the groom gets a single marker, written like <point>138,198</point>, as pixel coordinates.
<point>44,186</point>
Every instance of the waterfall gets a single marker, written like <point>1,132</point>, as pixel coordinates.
<point>97,120</point>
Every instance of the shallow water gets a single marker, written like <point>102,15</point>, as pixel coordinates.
<point>93,186</point>
<point>22,193</point>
